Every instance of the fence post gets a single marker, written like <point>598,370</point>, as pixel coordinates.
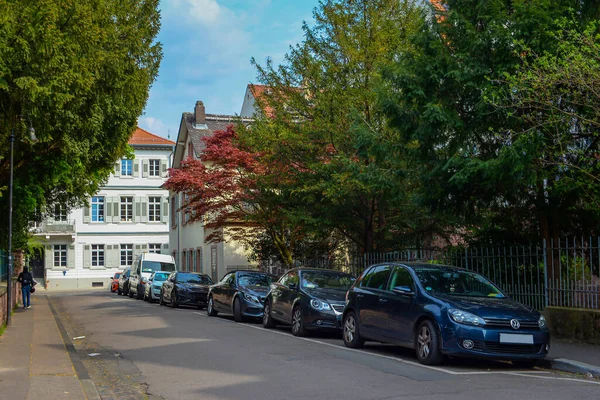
<point>545,273</point>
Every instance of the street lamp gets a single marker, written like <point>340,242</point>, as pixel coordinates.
<point>10,199</point>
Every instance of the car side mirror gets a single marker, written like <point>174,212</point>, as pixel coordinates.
<point>403,290</point>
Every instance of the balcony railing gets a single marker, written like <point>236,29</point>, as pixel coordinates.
<point>54,227</point>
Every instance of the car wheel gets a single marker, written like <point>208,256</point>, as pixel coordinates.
<point>351,331</point>
<point>267,318</point>
<point>210,308</point>
<point>237,311</point>
<point>160,299</point>
<point>129,292</point>
<point>298,322</point>
<point>173,299</point>
<point>139,293</point>
<point>427,344</point>
<point>525,364</point>
<point>119,291</point>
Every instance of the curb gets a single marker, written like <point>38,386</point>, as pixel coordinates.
<point>566,365</point>
<point>88,386</point>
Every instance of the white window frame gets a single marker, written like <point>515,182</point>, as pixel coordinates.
<point>99,202</point>
<point>154,168</point>
<point>126,208</point>
<point>126,255</point>
<point>60,255</point>
<point>154,248</point>
<point>154,209</point>
<point>126,167</point>
<point>60,213</point>
<point>98,259</point>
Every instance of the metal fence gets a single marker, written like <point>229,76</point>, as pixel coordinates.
<point>3,266</point>
<point>562,273</point>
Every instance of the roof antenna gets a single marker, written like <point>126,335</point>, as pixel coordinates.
<point>169,134</point>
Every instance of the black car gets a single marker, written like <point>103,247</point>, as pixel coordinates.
<point>185,288</point>
<point>124,282</point>
<point>240,293</point>
<point>307,298</point>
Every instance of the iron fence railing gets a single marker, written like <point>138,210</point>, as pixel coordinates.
<point>560,273</point>
<point>3,266</point>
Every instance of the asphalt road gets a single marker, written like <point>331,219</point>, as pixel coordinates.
<point>184,354</point>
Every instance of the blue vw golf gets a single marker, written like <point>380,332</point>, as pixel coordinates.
<point>441,310</point>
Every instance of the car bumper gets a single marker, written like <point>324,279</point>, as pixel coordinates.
<point>192,298</point>
<point>251,310</point>
<point>322,320</point>
<point>487,344</point>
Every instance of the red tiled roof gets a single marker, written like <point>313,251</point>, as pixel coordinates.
<point>258,91</point>
<point>142,137</point>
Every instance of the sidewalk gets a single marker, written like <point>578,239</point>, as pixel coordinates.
<point>573,357</point>
<point>34,361</point>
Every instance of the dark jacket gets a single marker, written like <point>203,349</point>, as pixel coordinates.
<point>26,279</point>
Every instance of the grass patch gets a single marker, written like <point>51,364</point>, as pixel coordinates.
<point>2,328</point>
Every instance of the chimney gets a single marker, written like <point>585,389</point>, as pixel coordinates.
<point>199,114</point>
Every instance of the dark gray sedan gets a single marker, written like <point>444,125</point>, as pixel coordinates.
<point>185,288</point>
<point>307,299</point>
<point>240,293</point>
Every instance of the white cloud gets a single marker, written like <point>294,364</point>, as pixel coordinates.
<point>153,125</point>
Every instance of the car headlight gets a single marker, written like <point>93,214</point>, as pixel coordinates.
<point>319,305</point>
<point>463,317</point>
<point>251,298</point>
<point>542,321</point>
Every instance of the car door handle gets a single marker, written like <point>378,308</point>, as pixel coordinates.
<point>383,300</point>
<point>360,295</point>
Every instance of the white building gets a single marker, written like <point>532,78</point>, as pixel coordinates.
<point>128,216</point>
<point>187,238</point>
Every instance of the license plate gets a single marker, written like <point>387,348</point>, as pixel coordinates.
<point>516,338</point>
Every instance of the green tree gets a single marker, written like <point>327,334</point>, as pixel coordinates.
<point>321,118</point>
<point>79,73</point>
<point>480,158</point>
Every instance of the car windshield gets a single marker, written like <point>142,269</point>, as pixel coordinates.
<point>194,278</point>
<point>160,277</point>
<point>152,266</point>
<point>326,280</point>
<point>254,280</point>
<point>456,282</point>
<point>117,275</point>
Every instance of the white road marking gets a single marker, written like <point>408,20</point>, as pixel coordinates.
<point>527,374</point>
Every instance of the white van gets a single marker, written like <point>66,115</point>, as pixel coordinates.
<point>143,266</point>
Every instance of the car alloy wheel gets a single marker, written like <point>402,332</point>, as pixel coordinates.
<point>427,344</point>
<point>351,334</point>
<point>210,308</point>
<point>297,323</point>
<point>237,311</point>
<point>173,299</point>
<point>267,318</point>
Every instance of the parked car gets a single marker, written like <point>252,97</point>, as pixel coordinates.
<point>307,298</point>
<point>441,310</point>
<point>154,285</point>
<point>143,266</point>
<point>114,285</point>
<point>123,288</point>
<point>185,288</point>
<point>240,293</point>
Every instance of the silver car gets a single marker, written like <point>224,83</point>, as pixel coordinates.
<point>154,284</point>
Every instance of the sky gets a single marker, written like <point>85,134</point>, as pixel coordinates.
<point>207,47</point>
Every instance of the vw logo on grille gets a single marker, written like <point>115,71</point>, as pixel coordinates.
<point>515,323</point>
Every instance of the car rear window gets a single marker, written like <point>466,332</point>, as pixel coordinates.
<point>153,266</point>
<point>194,278</point>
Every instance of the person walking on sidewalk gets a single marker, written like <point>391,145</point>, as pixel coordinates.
<point>26,280</point>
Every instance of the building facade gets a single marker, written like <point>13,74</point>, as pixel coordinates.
<point>128,216</point>
<point>186,237</point>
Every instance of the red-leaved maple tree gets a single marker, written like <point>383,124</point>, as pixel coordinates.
<point>224,189</point>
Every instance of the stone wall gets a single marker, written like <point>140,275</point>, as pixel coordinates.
<point>577,324</point>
